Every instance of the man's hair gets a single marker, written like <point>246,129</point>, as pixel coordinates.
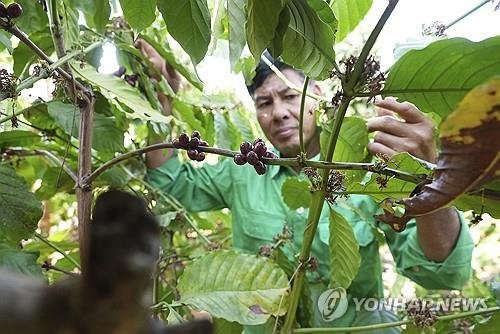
<point>263,71</point>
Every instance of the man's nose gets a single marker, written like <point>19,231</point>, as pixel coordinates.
<point>280,110</point>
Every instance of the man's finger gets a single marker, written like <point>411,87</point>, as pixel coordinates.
<point>406,110</point>
<point>395,143</point>
<point>385,112</point>
<point>388,124</point>
<point>375,148</point>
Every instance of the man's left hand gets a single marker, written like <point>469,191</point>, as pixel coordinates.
<point>401,127</point>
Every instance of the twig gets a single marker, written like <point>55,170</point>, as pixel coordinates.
<point>50,155</point>
<point>466,14</point>
<point>283,78</point>
<point>395,323</point>
<point>57,249</point>
<point>48,266</point>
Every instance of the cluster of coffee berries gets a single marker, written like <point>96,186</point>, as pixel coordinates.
<point>191,145</point>
<point>13,11</point>
<point>436,29</point>
<point>421,312</point>
<point>334,185</point>
<point>7,81</point>
<point>252,153</point>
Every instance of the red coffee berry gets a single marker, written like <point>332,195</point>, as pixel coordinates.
<point>194,143</point>
<point>195,134</point>
<point>245,147</point>
<point>240,159</point>
<point>260,148</point>
<point>176,143</point>
<point>183,139</point>
<point>258,140</point>
<point>252,158</point>
<point>260,168</point>
<point>200,156</point>
<point>15,10</point>
<point>193,154</point>
<point>131,79</point>
<point>3,11</point>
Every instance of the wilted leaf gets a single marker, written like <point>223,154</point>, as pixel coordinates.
<point>296,193</point>
<point>344,251</point>
<point>349,13</point>
<point>437,78</point>
<point>20,211</point>
<point>236,287</point>
<point>470,152</point>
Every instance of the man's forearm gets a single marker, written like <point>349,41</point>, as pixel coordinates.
<point>438,233</point>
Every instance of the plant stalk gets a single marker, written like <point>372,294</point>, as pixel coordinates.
<point>458,19</point>
<point>301,116</point>
<point>57,249</point>
<point>318,198</point>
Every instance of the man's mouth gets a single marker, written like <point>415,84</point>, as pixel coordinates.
<point>285,131</point>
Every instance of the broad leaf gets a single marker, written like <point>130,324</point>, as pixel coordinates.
<point>349,13</point>
<point>139,14</point>
<point>262,20</point>
<point>5,42</point>
<point>308,42</point>
<point>365,318</point>
<point>276,46</point>
<point>18,261</point>
<point>189,23</point>
<point>20,210</point>
<point>227,135</point>
<point>296,193</point>
<point>69,22</point>
<point>489,327</point>
<point>469,155</point>
<point>54,180</point>
<point>236,20</point>
<point>106,135</point>
<point>222,326</point>
<point>114,88</point>
<point>236,287</point>
<point>102,12</point>
<point>344,251</point>
<point>18,138</point>
<point>352,142</point>
<point>438,77</point>
<point>33,18</point>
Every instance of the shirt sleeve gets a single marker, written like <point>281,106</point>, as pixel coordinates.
<point>411,262</point>
<point>197,188</point>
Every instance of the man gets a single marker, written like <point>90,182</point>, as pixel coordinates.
<point>434,250</point>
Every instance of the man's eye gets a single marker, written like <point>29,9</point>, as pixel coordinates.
<point>291,96</point>
<point>263,104</point>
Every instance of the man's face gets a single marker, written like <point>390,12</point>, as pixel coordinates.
<point>278,109</point>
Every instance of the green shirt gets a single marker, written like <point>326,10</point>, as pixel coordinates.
<point>259,213</point>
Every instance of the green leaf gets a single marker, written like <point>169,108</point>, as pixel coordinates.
<point>33,18</point>
<point>222,326</point>
<point>349,13</point>
<point>395,188</point>
<point>308,42</point>
<point>106,135</point>
<point>351,143</point>
<point>24,56</point>
<point>276,46</point>
<point>54,180</point>
<point>139,14</point>
<point>20,211</point>
<point>226,133</point>
<point>189,23</point>
<point>478,203</point>
<point>344,251</point>
<point>236,287</point>
<point>18,138</point>
<point>236,20</point>
<point>490,327</point>
<point>102,12</point>
<point>436,78</point>
<point>114,88</point>
<point>296,193</point>
<point>5,42</point>
<point>70,27</point>
<point>17,261</point>
<point>262,21</point>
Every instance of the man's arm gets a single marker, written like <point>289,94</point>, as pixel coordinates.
<point>157,158</point>
<point>401,127</point>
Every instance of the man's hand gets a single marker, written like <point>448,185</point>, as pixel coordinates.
<point>401,127</point>
<point>173,78</point>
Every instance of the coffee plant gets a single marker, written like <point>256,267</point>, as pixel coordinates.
<point>58,154</point>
